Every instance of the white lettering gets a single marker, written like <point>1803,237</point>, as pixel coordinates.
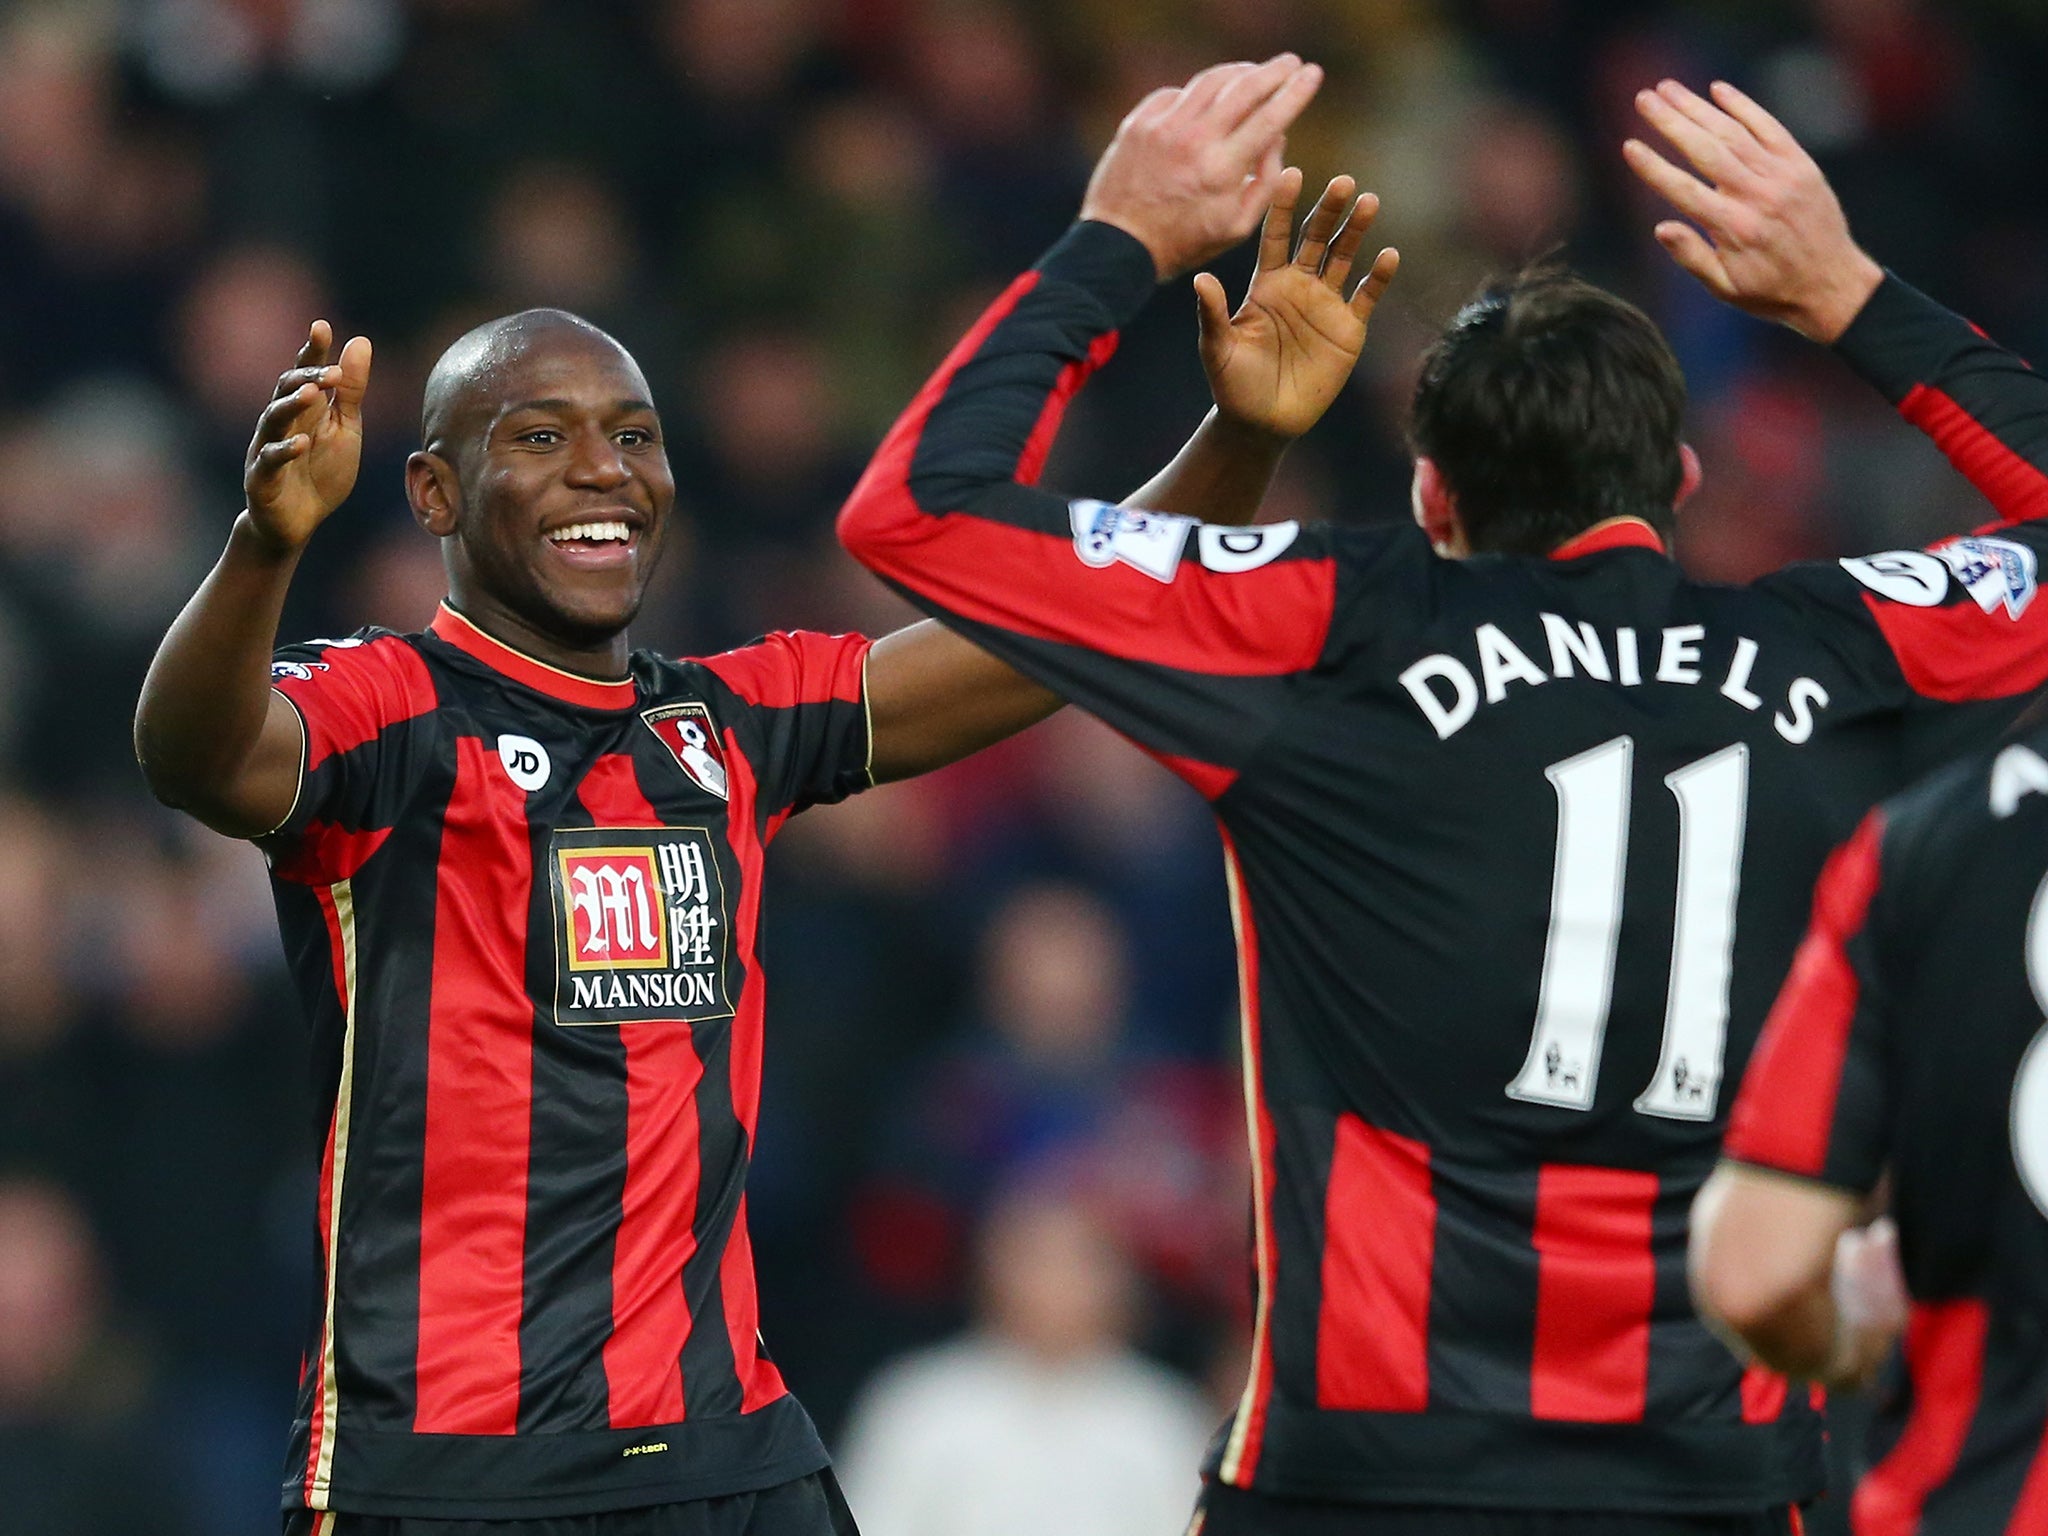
<point>1628,666</point>
<point>1737,686</point>
<point>1567,644</point>
<point>1678,662</point>
<point>1802,698</point>
<point>1501,662</point>
<point>1447,716</point>
<point>2016,773</point>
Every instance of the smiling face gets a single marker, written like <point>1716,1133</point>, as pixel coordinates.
<point>544,470</point>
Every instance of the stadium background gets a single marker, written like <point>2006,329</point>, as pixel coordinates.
<point>1002,1009</point>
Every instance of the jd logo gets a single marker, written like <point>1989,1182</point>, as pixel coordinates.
<point>525,760</point>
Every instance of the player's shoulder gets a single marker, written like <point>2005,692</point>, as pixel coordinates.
<point>1959,816</point>
<point>371,656</point>
<point>1996,567</point>
<point>779,670</point>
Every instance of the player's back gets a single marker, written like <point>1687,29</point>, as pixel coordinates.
<point>1928,1063</point>
<point>1521,871</point>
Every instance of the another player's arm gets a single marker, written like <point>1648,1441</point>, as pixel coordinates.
<point>1771,239</point>
<point>212,737</point>
<point>1274,368</point>
<point>1781,1261</point>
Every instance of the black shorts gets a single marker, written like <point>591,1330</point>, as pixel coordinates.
<point>806,1506</point>
<point>1227,1511</point>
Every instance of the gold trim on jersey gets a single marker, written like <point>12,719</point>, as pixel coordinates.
<point>1262,1231</point>
<point>323,1470</point>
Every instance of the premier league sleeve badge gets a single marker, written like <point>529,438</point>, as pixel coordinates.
<point>692,740</point>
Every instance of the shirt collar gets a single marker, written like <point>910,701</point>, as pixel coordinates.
<point>1615,533</point>
<point>590,692</point>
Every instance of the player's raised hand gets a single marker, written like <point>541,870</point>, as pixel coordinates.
<point>1282,358</point>
<point>1192,168</point>
<point>302,462</point>
<point>1771,237</point>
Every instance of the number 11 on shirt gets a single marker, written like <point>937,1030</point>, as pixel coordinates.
<point>1563,1064</point>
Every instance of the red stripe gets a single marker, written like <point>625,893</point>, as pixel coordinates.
<point>356,692</point>
<point>2018,489</point>
<point>1763,1395</point>
<point>1264,1258</point>
<point>760,1382</point>
<point>789,668</point>
<point>479,1102</point>
<point>1209,780</point>
<point>1379,1241</point>
<point>1596,1281</point>
<point>1945,1360</point>
<point>317,1365</point>
<point>2030,1513</point>
<point>1785,1114</point>
<point>1271,620</point>
<point>324,853</point>
<point>1958,652</point>
<point>590,692</point>
<point>658,1210</point>
<point>1031,463</point>
<point>1264,622</point>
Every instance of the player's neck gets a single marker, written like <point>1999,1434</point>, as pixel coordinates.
<point>606,661</point>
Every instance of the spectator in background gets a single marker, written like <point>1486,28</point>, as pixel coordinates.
<point>73,1404</point>
<point>1042,1417</point>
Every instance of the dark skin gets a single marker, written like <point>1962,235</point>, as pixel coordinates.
<point>545,423</point>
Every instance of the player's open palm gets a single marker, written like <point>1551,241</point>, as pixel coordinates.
<point>302,462</point>
<point>1279,362</point>
<point>1771,237</point>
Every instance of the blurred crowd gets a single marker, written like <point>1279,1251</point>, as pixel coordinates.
<point>999,1203</point>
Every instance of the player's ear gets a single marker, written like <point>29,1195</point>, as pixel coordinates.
<point>434,492</point>
<point>1689,477</point>
<point>1436,510</point>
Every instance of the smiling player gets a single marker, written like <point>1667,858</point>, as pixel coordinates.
<point>518,870</point>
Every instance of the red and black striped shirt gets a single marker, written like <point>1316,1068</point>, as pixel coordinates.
<point>521,907</point>
<point>1518,851</point>
<point>1910,1038</point>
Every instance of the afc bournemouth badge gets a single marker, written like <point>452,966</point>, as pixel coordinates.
<point>686,730</point>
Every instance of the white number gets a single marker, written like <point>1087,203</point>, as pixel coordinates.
<point>1573,998</point>
<point>1585,914</point>
<point>2030,1087</point>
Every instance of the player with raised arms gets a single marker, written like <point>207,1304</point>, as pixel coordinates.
<point>1520,825</point>
<point>1906,1047</point>
<point>518,869</point>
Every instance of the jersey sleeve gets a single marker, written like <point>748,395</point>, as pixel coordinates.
<point>1188,637</point>
<point>806,696</point>
<point>360,700</point>
<point>1814,1099</point>
<point>1957,620</point>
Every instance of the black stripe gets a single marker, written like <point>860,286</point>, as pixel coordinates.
<point>1482,1298</point>
<point>576,1173</point>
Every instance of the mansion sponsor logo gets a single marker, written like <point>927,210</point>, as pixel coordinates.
<point>641,929</point>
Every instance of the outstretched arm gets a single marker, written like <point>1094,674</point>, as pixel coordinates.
<point>212,737</point>
<point>1274,368</point>
<point>1767,235</point>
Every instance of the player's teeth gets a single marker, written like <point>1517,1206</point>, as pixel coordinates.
<point>613,531</point>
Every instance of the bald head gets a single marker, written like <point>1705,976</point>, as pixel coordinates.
<point>469,381</point>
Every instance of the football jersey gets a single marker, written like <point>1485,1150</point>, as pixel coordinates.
<point>522,909</point>
<point>1518,851</point>
<point>1910,1039</point>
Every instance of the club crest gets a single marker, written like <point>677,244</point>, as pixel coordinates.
<point>692,740</point>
